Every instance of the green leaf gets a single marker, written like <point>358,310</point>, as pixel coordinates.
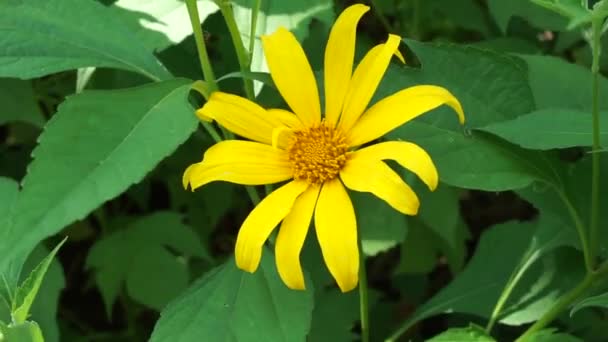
<point>27,291</point>
<point>92,151</point>
<point>334,315</point>
<point>160,23</point>
<point>19,102</point>
<point>552,80</point>
<point>230,304</point>
<point>294,15</point>
<point>44,310</point>
<point>138,257</point>
<point>464,158</point>
<point>22,332</point>
<point>56,35</point>
<point>600,301</point>
<point>381,226</point>
<point>504,11</point>
<point>571,9</point>
<point>552,335</point>
<point>550,128</point>
<point>469,334</point>
<point>501,251</point>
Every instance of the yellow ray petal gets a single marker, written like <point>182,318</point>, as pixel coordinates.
<point>292,235</point>
<point>241,162</point>
<point>339,55</point>
<point>336,229</point>
<point>399,108</point>
<point>365,80</point>
<point>292,74</point>
<point>241,116</point>
<point>262,221</point>
<point>379,179</point>
<point>408,155</point>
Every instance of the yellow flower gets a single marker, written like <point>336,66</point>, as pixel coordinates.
<point>318,154</point>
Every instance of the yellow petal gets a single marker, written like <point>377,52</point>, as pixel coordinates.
<point>339,55</point>
<point>241,162</point>
<point>408,155</point>
<point>262,221</point>
<point>292,74</point>
<point>399,108</point>
<point>379,179</point>
<point>286,117</point>
<point>366,78</point>
<point>292,235</point>
<point>336,229</point>
<point>241,116</point>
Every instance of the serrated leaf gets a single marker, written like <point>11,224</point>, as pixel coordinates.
<point>547,129</point>
<point>56,35</point>
<point>229,304</point>
<point>138,258</point>
<point>27,291</point>
<point>19,103</point>
<point>469,334</point>
<point>94,148</point>
<point>463,158</point>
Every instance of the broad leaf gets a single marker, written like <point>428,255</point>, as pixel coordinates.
<point>550,128</point>
<point>294,15</point>
<point>501,251</point>
<point>230,304</point>
<point>19,102</point>
<point>600,301</point>
<point>27,291</point>
<point>470,334</point>
<point>160,23</point>
<point>92,151</point>
<point>22,332</point>
<point>138,257</point>
<point>552,80</point>
<point>464,158</point>
<point>504,11</point>
<point>56,35</point>
<point>571,9</point>
<point>381,226</point>
<point>552,335</point>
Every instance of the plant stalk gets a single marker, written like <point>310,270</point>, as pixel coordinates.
<point>564,302</point>
<point>580,229</point>
<point>201,47</point>
<point>596,28</point>
<point>241,53</point>
<point>363,296</point>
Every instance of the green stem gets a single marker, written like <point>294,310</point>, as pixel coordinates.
<point>253,195</point>
<point>363,298</point>
<point>580,229</point>
<point>563,303</point>
<point>253,27</point>
<point>513,280</point>
<point>595,156</point>
<point>203,57</point>
<point>241,53</point>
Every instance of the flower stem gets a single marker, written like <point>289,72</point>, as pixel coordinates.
<point>596,28</point>
<point>363,298</point>
<point>203,57</point>
<point>241,53</point>
<point>564,302</point>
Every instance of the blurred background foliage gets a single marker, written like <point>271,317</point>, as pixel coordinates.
<point>139,251</point>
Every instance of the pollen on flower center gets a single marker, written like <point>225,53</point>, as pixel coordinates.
<point>317,153</point>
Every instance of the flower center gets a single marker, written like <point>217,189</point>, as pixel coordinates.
<point>317,153</point>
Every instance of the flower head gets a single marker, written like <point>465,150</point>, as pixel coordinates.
<point>318,154</point>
